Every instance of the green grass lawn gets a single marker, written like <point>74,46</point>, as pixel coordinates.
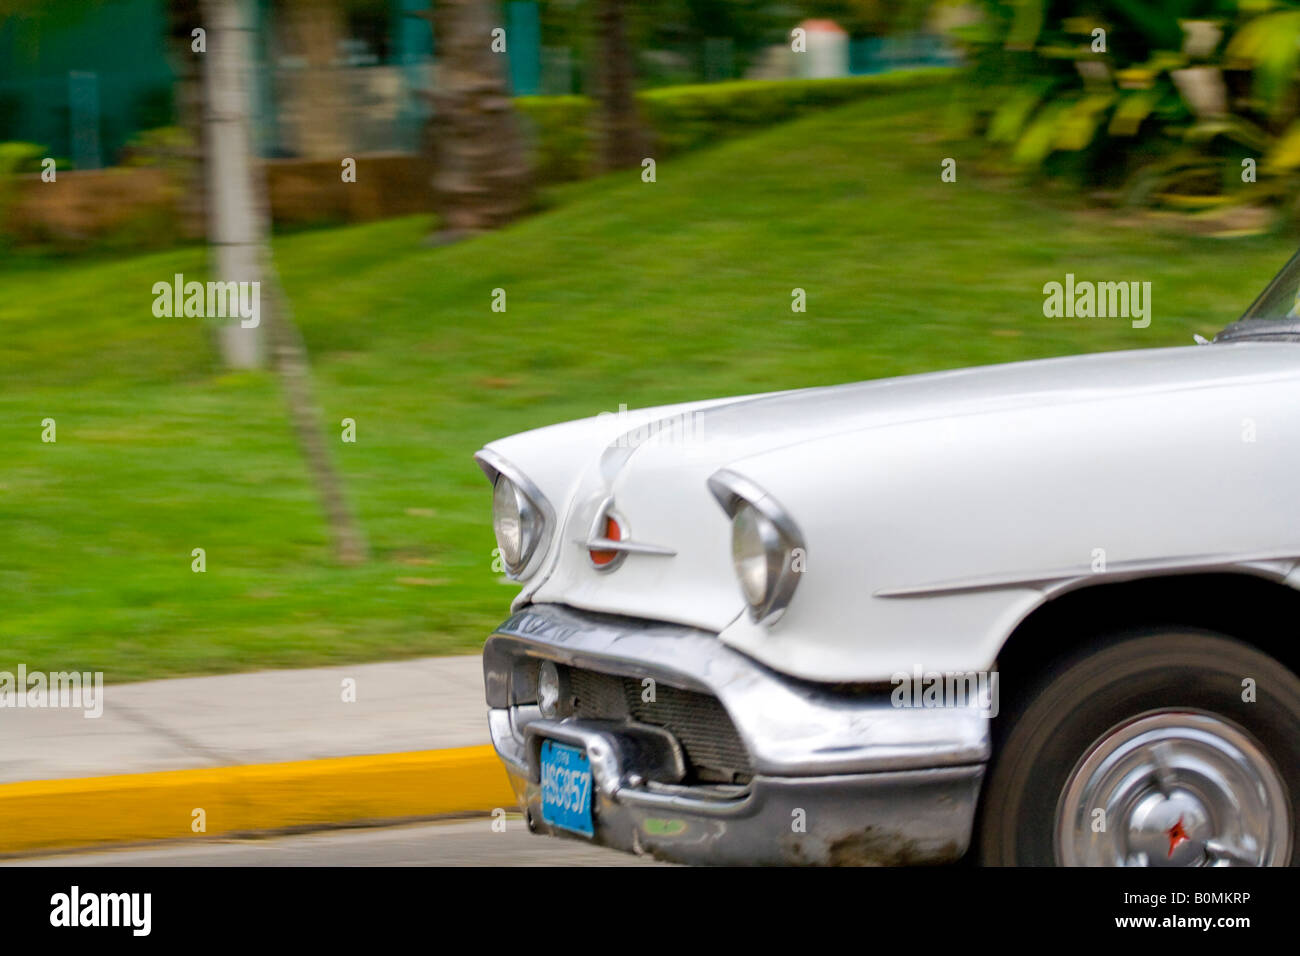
<point>624,292</point>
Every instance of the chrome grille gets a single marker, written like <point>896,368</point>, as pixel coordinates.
<point>699,721</point>
<point>599,696</point>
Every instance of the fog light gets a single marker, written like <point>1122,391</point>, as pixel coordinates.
<point>551,691</point>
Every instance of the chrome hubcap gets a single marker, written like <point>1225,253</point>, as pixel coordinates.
<point>1174,788</point>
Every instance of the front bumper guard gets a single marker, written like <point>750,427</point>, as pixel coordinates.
<point>838,777</point>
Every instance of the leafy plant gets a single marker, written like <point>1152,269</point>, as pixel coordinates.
<point>1168,102</point>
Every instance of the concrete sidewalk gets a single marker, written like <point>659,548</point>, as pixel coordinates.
<point>246,753</point>
<point>270,716</point>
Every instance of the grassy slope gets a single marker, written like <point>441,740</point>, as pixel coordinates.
<point>627,293</point>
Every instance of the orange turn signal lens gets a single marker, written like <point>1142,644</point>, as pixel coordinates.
<point>612,533</point>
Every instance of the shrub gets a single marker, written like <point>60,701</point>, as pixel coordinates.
<point>16,158</point>
<point>559,128</point>
<point>683,118</point>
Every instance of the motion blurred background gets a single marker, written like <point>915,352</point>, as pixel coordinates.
<point>919,170</point>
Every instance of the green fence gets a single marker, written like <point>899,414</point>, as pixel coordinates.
<point>81,79</point>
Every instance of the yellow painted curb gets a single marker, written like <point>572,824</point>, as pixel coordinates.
<point>129,808</point>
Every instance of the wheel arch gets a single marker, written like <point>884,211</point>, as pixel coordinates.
<point>1254,609</point>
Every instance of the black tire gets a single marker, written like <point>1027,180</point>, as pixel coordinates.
<point>1116,679</point>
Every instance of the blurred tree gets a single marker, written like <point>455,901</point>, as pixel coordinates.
<point>623,142</point>
<point>482,178</point>
<point>312,29</point>
<point>870,17</point>
<point>689,26</point>
<point>672,34</point>
<point>182,17</point>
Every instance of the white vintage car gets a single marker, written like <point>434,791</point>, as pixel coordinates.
<point>1044,613</point>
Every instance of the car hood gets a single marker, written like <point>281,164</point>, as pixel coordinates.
<point>770,421</point>
<point>656,468</point>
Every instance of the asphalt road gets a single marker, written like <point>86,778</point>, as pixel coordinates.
<point>459,843</point>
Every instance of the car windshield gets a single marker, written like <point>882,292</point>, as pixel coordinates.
<point>1279,299</point>
<point>1276,313</point>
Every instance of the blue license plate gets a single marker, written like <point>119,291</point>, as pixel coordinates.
<point>566,787</point>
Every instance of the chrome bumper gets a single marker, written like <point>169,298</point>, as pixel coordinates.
<point>838,776</point>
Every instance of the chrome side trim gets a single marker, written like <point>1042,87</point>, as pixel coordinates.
<point>493,465</point>
<point>632,547</point>
<point>1065,578</point>
<point>596,540</point>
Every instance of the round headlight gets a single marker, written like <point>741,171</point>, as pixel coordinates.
<point>755,547</point>
<point>507,521</point>
<point>522,518</point>
<point>767,547</point>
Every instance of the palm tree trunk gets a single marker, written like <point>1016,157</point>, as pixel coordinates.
<point>318,102</point>
<point>482,178</point>
<point>183,16</point>
<point>622,138</point>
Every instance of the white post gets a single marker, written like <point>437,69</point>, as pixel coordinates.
<point>237,219</point>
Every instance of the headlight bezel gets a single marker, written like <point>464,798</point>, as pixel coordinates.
<point>775,528</point>
<point>535,515</point>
